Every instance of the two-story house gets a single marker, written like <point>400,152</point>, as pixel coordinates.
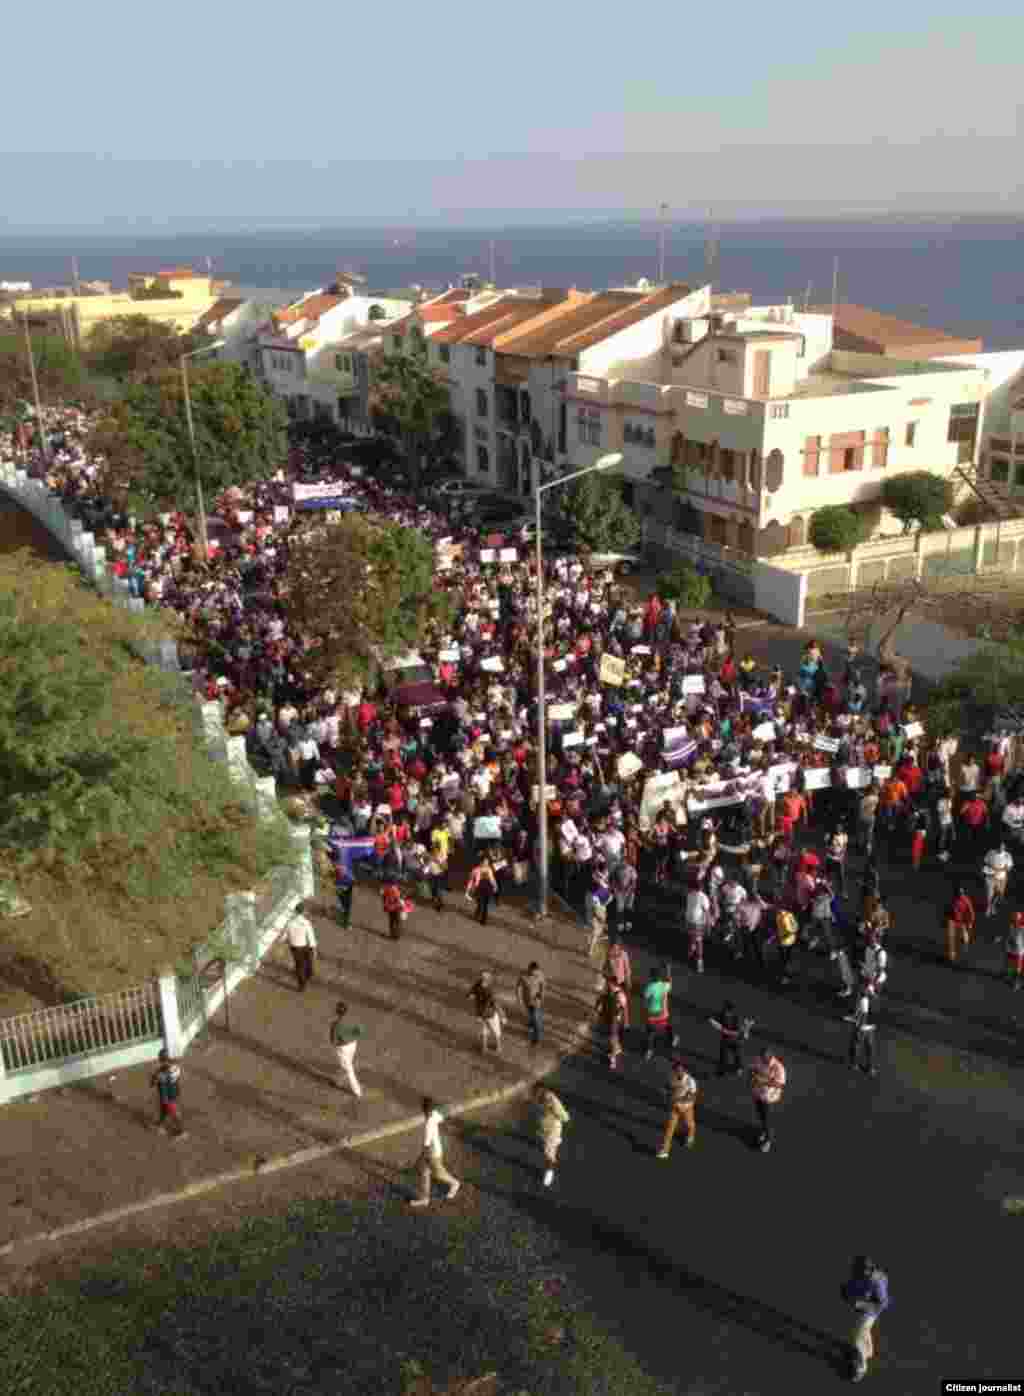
<point>770,423</point>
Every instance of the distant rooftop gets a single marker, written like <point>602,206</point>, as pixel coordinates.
<point>859,328</point>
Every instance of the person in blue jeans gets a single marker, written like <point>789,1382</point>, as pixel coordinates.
<point>530,991</point>
<point>867,1292</point>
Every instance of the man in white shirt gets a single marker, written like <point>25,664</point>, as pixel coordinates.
<point>431,1160</point>
<point>302,943</point>
<point>1013,818</point>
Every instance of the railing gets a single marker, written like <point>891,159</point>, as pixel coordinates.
<point>85,1028</point>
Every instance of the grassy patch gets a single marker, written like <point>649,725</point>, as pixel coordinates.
<point>328,1297</point>
<point>115,826</point>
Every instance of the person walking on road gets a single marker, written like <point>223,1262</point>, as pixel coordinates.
<point>657,1000</point>
<point>343,887</point>
<point>1015,950</point>
<point>610,1011</point>
<point>552,1118</point>
<point>619,967</point>
<point>167,1080</point>
<point>733,1031</point>
<point>867,1293</point>
<point>530,991</point>
<point>767,1082</point>
<point>482,887</point>
<point>431,1159</point>
<point>862,1032</point>
<point>302,943</point>
<point>393,902</point>
<point>960,923</point>
<point>345,1039</point>
<point>683,1091</point>
<point>488,1011</point>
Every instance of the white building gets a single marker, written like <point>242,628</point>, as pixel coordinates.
<point>773,424</point>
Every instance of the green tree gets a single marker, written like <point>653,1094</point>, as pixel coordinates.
<point>134,347</point>
<point>359,587</point>
<point>61,374</point>
<point>240,436</point>
<point>836,529</point>
<point>990,679</point>
<point>920,497</point>
<point>687,586</point>
<point>111,813</point>
<point>600,518</point>
<point>408,394</point>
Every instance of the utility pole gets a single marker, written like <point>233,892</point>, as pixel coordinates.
<point>41,426</point>
<point>662,210</point>
<point>807,296</point>
<point>711,251</point>
<point>75,283</point>
<point>204,541</point>
<point>835,288</point>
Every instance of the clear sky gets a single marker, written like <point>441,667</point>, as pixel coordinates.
<point>224,112</point>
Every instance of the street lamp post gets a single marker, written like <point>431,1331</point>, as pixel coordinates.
<point>204,539</point>
<point>41,425</point>
<point>608,462</point>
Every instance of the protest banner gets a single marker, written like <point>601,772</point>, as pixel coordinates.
<point>826,744</point>
<point>612,670</point>
<point>494,665</point>
<point>561,712</point>
<point>574,738</point>
<point>693,683</point>
<point>883,772</point>
<point>508,555</point>
<point>764,732</point>
<point>818,778</point>
<point>487,826</point>
<point>858,778</point>
<point>640,649</point>
<point>488,554</point>
<point>281,513</point>
<point>551,792</point>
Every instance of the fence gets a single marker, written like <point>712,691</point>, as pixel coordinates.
<point>110,1032</point>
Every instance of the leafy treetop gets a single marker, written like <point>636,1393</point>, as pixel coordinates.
<point>836,529</point>
<point>598,515</point>
<point>919,497</point>
<point>408,394</point>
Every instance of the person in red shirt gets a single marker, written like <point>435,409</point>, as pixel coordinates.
<point>366,713</point>
<point>994,763</point>
<point>910,773</point>
<point>960,922</point>
<point>727,673</point>
<point>396,796</point>
<point>974,817</point>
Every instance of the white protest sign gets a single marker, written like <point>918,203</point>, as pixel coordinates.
<point>629,765</point>
<point>659,789</point>
<point>782,776</point>
<point>612,670</point>
<point>640,649</point>
<point>764,732</point>
<point>550,792</point>
<point>858,777</point>
<point>559,665</point>
<point>244,516</point>
<point>444,542</point>
<point>281,513</point>
<point>913,729</point>
<point>574,738</point>
<point>693,683</point>
<point>493,665</point>
<point>508,554</point>
<point>426,722</point>
<point>829,744</point>
<point>488,826</point>
<point>450,656</point>
<point>817,778</point>
<point>561,712</point>
<point>883,772</point>
<point>488,555</point>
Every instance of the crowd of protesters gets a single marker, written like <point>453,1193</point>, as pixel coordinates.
<point>675,762</point>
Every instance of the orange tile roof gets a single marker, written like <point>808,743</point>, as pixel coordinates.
<point>872,325</point>
<point>480,320</point>
<point>623,318</point>
<point>450,297</point>
<point>218,311</point>
<point>309,309</point>
<point>577,317</point>
<point>434,312</point>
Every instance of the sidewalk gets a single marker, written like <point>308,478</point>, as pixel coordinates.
<point>264,1087</point>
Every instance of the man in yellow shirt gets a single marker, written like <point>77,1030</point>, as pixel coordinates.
<point>440,845</point>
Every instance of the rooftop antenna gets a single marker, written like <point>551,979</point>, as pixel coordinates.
<point>835,287</point>
<point>807,296</point>
<point>711,250</point>
<point>76,284</point>
<point>209,266</point>
<point>490,263</point>
<point>662,210</point>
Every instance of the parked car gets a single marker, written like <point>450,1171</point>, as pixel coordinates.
<point>619,563</point>
<point>456,488</point>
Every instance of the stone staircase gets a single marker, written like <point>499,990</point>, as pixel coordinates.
<point>991,493</point>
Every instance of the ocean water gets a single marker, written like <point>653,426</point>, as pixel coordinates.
<point>964,276</point>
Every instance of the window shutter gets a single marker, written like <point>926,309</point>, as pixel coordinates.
<point>880,447</point>
<point>812,454</point>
